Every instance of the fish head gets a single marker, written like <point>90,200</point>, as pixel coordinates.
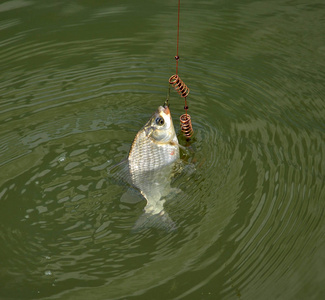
<point>160,126</point>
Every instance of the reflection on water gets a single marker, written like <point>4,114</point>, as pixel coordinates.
<point>78,82</point>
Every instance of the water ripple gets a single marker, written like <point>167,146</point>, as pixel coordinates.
<point>249,209</point>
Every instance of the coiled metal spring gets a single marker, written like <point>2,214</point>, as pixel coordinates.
<point>185,119</point>
<point>179,86</point>
<point>186,125</point>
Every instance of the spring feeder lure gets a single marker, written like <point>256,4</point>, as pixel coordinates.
<point>182,89</point>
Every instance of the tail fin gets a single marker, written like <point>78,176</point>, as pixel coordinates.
<point>160,221</point>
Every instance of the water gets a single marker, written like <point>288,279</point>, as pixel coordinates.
<point>79,79</point>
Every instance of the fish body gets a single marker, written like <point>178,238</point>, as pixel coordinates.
<point>156,144</point>
<point>152,156</point>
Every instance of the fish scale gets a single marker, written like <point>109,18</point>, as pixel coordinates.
<point>146,155</point>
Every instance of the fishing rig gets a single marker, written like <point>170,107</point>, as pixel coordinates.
<point>182,89</point>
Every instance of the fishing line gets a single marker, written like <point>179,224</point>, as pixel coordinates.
<point>182,89</point>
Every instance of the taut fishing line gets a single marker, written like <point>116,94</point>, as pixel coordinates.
<point>182,89</point>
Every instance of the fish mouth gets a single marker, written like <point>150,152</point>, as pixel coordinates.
<point>166,110</point>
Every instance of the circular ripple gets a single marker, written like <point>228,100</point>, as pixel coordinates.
<point>249,211</point>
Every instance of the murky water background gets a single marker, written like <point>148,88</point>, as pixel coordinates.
<point>80,78</point>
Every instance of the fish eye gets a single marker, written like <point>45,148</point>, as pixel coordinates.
<point>160,121</point>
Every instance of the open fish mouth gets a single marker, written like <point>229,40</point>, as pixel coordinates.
<point>166,110</point>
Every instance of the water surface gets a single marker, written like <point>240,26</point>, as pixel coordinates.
<point>79,79</point>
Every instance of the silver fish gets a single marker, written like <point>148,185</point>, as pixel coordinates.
<point>156,144</point>
<point>150,163</point>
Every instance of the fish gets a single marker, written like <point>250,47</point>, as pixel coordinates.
<point>151,160</point>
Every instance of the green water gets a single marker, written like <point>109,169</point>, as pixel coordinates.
<point>80,78</point>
